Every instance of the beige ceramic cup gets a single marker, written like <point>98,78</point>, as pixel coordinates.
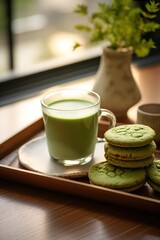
<point>149,114</point>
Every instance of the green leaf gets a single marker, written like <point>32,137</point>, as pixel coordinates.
<point>152,6</point>
<point>148,15</point>
<point>144,47</point>
<point>81,9</point>
<point>96,36</point>
<point>150,27</point>
<point>102,7</point>
<point>83,28</point>
<point>76,45</point>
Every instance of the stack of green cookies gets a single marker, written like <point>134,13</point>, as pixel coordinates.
<point>129,149</point>
<point>130,146</point>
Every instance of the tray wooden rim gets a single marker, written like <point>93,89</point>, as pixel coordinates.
<point>77,188</point>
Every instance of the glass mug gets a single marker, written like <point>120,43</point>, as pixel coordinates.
<point>71,124</point>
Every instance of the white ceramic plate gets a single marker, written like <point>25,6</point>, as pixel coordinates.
<point>34,156</point>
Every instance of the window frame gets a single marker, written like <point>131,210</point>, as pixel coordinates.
<point>15,87</point>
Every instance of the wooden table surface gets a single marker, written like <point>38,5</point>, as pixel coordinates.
<point>33,213</point>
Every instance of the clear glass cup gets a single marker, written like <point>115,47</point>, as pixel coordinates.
<point>71,124</point>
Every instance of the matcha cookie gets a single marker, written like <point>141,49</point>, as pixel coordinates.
<point>153,173</point>
<point>131,163</point>
<point>107,175</point>
<point>134,153</point>
<point>130,135</point>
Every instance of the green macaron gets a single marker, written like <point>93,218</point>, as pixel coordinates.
<point>131,163</point>
<point>153,173</point>
<point>130,135</point>
<point>106,175</point>
<point>130,153</point>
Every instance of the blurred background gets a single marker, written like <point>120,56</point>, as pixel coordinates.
<point>34,31</point>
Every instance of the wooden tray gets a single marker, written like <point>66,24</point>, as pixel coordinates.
<point>144,199</point>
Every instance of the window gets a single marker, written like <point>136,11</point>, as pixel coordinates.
<point>39,31</point>
<point>36,45</point>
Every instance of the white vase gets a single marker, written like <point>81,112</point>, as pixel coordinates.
<point>115,83</point>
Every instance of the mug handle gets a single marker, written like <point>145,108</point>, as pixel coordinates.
<point>110,116</point>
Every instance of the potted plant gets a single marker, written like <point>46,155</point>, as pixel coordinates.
<point>122,26</point>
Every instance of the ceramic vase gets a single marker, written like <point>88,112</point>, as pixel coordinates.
<point>115,83</point>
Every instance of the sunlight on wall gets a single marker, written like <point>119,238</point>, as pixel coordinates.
<point>61,43</point>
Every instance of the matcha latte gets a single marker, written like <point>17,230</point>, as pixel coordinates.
<point>71,124</point>
<point>71,135</point>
